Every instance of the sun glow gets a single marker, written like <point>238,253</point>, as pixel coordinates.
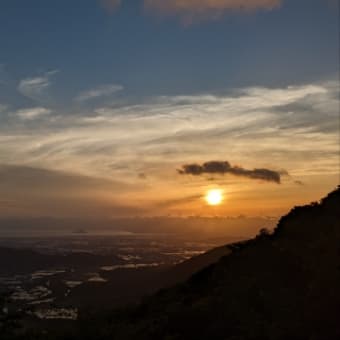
<point>214,197</point>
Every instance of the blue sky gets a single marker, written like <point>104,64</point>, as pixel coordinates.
<point>153,54</point>
<point>129,91</point>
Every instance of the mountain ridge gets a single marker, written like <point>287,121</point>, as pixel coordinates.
<point>279,285</point>
<point>283,285</point>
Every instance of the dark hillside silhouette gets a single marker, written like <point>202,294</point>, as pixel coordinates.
<point>277,286</point>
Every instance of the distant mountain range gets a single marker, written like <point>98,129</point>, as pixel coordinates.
<point>279,285</point>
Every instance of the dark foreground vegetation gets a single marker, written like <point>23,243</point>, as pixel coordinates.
<point>280,285</point>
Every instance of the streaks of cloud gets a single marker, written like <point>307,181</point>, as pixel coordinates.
<point>32,113</point>
<point>294,127</point>
<point>36,88</point>
<point>100,91</point>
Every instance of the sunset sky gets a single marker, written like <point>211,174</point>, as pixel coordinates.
<point>139,107</point>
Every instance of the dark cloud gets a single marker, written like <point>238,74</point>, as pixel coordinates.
<point>224,167</point>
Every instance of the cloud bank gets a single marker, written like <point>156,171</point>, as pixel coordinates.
<point>224,167</point>
<point>295,127</point>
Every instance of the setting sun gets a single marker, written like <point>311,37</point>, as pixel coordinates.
<point>214,197</point>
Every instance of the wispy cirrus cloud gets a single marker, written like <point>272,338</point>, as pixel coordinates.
<point>294,127</point>
<point>36,88</point>
<point>100,91</point>
<point>32,113</point>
